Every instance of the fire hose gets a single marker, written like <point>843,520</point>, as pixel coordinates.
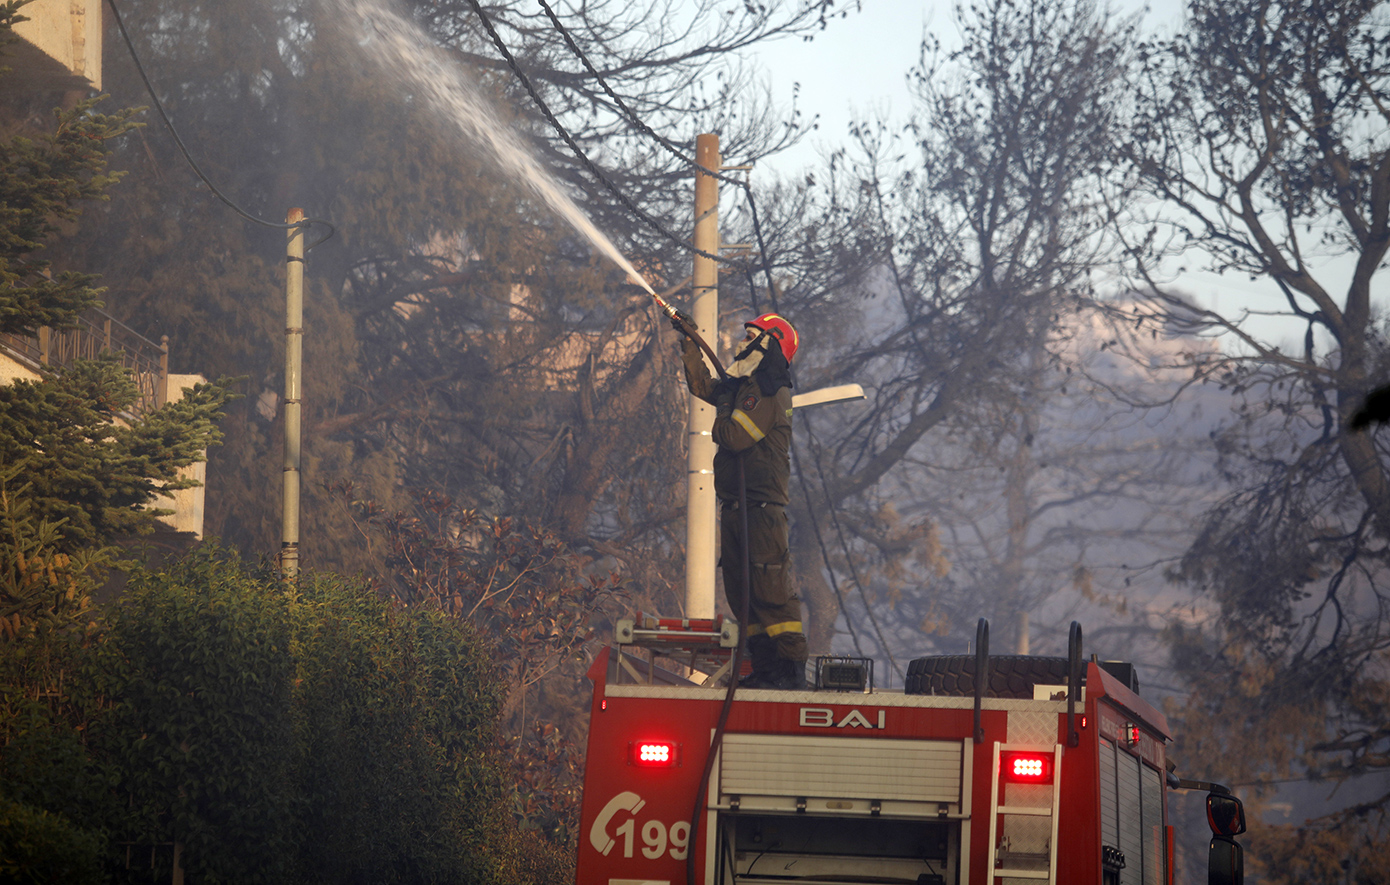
<point>734,667</point>
<point>686,326</point>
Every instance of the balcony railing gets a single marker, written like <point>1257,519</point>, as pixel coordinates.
<point>97,332</point>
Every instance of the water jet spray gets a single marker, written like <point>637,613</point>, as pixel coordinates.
<point>403,49</point>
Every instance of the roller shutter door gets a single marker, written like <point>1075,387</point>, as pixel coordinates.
<point>847,768</point>
<point>1151,784</point>
<point>1131,803</point>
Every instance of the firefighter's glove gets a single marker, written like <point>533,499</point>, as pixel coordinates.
<point>691,355</point>
<point>682,322</point>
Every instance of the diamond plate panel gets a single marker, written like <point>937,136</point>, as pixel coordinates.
<point>1032,728</point>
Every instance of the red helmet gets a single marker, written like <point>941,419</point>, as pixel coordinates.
<point>778,328</point>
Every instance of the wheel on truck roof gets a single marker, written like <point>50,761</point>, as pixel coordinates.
<point>1010,676</point>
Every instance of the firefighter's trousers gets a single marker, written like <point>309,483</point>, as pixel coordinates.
<point>774,610</point>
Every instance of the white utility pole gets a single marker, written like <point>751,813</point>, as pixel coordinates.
<point>294,361</point>
<point>701,516</point>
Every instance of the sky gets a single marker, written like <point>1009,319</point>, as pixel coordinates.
<point>854,69</point>
<point>857,67</point>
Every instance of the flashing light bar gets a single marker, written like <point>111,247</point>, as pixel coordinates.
<point>1026,768</point>
<point>653,754</point>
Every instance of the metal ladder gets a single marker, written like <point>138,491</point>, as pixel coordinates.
<point>1005,863</point>
<point>704,645</point>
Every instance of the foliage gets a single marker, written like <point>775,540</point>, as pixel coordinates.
<point>54,807</point>
<point>90,467</point>
<point>41,588</point>
<point>1350,847</point>
<point>518,583</point>
<point>315,734</point>
<point>538,601</point>
<point>37,846</point>
<point>197,667</point>
<point>51,790</point>
<point>548,772</point>
<point>259,732</point>
<point>395,719</point>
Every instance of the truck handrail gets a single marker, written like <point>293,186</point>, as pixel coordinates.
<point>981,673</point>
<point>1073,682</point>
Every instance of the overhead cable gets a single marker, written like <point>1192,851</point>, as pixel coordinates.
<point>660,139</point>
<point>573,146</point>
<point>849,560</point>
<point>159,106</point>
<point>825,558</point>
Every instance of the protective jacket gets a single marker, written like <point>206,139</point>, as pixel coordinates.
<point>754,414</point>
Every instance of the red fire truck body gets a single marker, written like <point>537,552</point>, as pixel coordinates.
<point>874,785</point>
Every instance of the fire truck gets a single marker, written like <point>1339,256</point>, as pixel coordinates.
<point>1041,770</point>
<point>980,770</point>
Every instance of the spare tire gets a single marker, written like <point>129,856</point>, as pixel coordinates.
<point>1010,676</point>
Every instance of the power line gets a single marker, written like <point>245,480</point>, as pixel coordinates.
<point>573,146</point>
<point>849,560</point>
<point>666,143</point>
<point>825,557</point>
<point>159,106</point>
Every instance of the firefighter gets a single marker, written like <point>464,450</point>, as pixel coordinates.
<point>753,420</point>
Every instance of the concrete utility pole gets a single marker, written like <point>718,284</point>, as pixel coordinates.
<point>294,362</point>
<point>701,519</point>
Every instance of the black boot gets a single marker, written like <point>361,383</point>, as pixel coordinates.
<point>763,652</point>
<point>778,673</point>
<point>789,675</point>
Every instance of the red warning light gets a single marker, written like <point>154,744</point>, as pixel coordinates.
<point>1026,768</point>
<point>654,754</point>
<point>1131,733</point>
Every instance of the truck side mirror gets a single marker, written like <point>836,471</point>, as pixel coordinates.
<point>1226,862</point>
<point>1225,815</point>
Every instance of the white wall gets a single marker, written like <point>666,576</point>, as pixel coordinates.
<point>67,31</point>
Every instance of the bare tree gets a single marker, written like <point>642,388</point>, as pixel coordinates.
<point>1262,132</point>
<point>1064,496</point>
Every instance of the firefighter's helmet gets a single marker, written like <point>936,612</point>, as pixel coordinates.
<point>779,328</point>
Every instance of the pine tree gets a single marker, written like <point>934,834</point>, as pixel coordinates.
<point>88,469</point>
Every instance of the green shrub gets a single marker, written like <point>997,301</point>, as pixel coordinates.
<point>40,847</point>
<point>196,663</point>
